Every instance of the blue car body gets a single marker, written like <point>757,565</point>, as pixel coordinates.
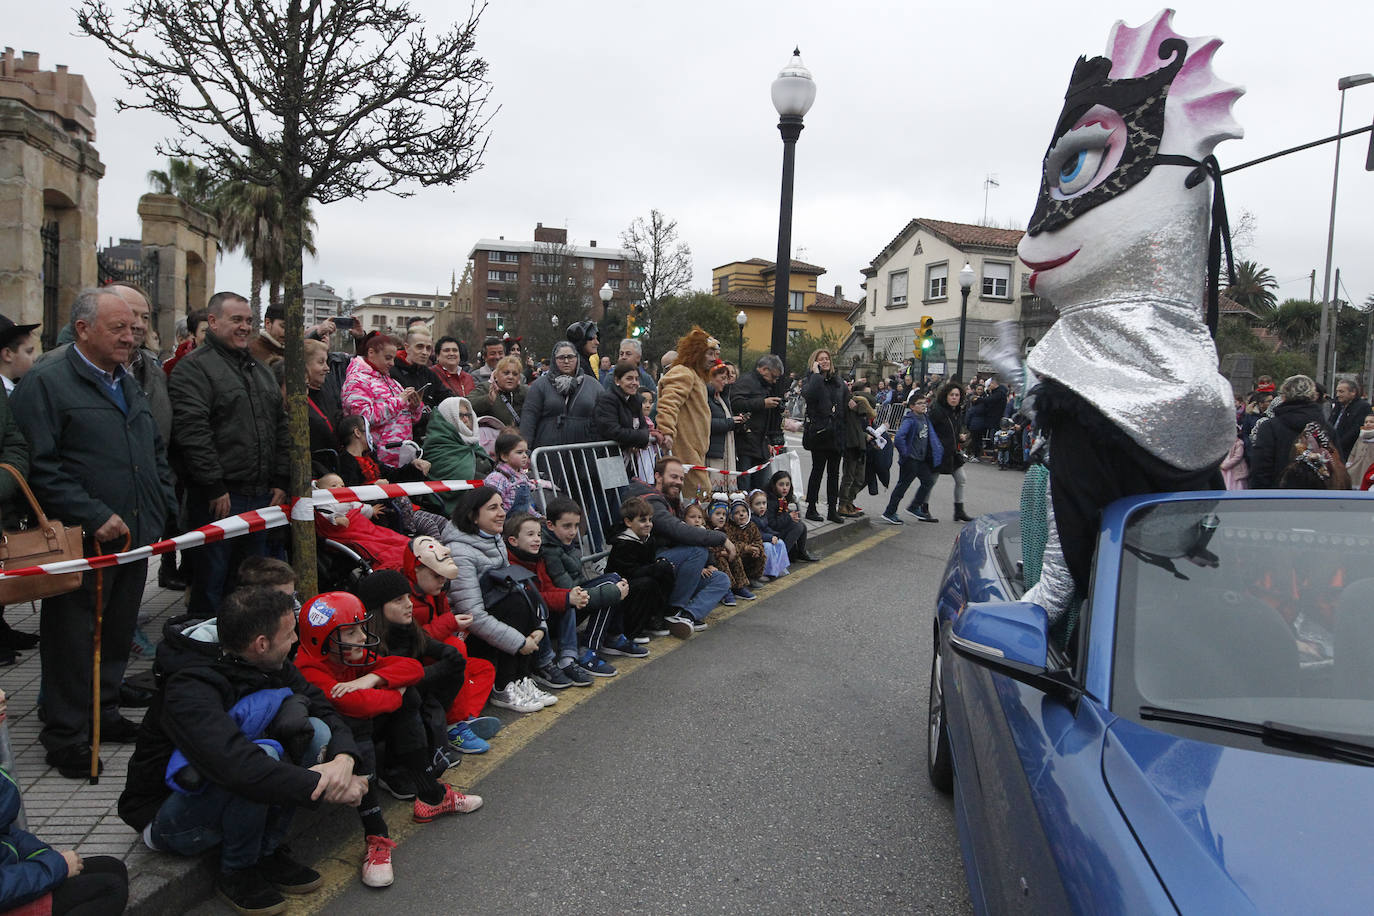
<point>1064,806</point>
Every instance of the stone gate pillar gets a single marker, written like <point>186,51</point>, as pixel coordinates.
<point>187,245</point>
<point>49,172</point>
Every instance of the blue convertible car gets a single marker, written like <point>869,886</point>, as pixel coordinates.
<point>1198,741</point>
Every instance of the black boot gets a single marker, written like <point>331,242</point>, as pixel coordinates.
<point>923,513</point>
<point>833,514</point>
<point>812,515</point>
<point>960,515</point>
<point>11,638</point>
<point>167,575</point>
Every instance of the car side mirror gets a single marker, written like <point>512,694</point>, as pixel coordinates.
<point>1010,638</point>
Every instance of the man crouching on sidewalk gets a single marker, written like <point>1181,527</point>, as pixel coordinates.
<point>214,679</point>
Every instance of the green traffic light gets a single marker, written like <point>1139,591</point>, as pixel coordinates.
<point>927,344</point>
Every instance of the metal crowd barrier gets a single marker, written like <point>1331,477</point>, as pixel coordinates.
<point>595,475</point>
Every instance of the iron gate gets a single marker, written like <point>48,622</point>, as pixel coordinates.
<point>51,238</point>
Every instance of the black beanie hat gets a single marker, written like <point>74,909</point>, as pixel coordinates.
<point>380,587</point>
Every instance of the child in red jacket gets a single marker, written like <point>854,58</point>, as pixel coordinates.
<point>374,693</point>
<point>428,568</point>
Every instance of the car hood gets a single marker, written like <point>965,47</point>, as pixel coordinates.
<point>1231,830</point>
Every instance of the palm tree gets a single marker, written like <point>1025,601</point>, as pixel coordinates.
<point>1296,322</point>
<point>187,182</point>
<point>1254,288</point>
<point>250,218</point>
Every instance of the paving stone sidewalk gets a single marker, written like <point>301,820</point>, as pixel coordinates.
<point>70,813</point>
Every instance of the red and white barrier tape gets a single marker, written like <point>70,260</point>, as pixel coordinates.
<point>757,467</point>
<point>250,522</point>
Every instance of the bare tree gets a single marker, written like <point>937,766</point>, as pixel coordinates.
<point>319,100</point>
<point>664,262</point>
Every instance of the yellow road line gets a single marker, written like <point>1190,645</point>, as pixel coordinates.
<point>340,867</point>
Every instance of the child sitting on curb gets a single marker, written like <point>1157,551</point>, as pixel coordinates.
<point>524,537</point>
<point>719,519</point>
<point>775,560</point>
<point>649,578</point>
<point>740,528</point>
<point>608,630</point>
<point>719,559</point>
<point>386,595</point>
<point>375,695</point>
<point>428,568</point>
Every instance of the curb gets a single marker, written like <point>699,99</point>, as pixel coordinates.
<point>167,884</point>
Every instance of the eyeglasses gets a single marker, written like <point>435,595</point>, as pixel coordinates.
<point>566,356</point>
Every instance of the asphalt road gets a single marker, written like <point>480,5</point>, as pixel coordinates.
<point>773,764</point>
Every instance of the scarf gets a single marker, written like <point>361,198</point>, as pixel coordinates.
<point>449,409</point>
<point>564,384</point>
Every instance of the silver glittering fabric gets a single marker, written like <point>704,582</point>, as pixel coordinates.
<point>1149,365</point>
<point>1055,590</point>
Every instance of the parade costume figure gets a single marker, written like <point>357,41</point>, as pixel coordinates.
<point>1130,396</point>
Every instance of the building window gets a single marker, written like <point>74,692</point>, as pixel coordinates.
<point>509,257</point>
<point>493,295</point>
<point>588,263</point>
<point>795,301</point>
<point>413,302</point>
<point>613,265</point>
<point>937,281</point>
<point>377,321</point>
<point>634,284</point>
<point>996,280</point>
<point>493,316</point>
<point>896,288</point>
<point>614,282</point>
<point>793,334</point>
<point>586,282</point>
<point>572,281</point>
<point>386,302</point>
<point>724,286</point>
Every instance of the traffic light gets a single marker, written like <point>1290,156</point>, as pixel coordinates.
<point>925,334</point>
<point>633,328</point>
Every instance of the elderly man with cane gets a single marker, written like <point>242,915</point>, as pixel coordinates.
<point>96,460</point>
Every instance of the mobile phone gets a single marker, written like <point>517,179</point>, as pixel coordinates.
<point>343,324</point>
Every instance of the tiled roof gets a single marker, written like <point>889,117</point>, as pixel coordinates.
<point>966,235</point>
<point>798,267</point>
<point>962,235</point>
<point>747,296</point>
<point>826,303</point>
<point>1228,306</point>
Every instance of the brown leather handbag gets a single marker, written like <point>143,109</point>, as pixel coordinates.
<point>47,542</point>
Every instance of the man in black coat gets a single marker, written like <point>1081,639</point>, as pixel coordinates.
<point>412,370</point>
<point>1272,438</point>
<point>228,441</point>
<point>96,460</point>
<point>757,394</point>
<point>1348,415</point>
<point>249,795</point>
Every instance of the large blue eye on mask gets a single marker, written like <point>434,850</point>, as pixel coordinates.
<point>1073,181</point>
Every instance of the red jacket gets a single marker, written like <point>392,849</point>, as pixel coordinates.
<point>432,612</point>
<point>398,673</point>
<point>460,383</point>
<point>556,598</point>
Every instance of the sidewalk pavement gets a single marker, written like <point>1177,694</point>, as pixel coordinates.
<point>72,814</point>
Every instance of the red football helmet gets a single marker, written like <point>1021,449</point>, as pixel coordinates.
<point>324,617</point>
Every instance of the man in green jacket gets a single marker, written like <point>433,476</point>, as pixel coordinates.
<point>228,443</point>
<point>96,460</point>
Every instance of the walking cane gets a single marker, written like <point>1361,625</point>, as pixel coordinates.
<point>95,667</point>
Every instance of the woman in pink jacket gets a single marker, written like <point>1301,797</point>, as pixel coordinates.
<point>370,392</point>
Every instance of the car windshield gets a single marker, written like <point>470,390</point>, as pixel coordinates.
<point>1259,610</point>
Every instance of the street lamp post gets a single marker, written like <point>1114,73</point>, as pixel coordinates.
<point>1327,329</point>
<point>965,284</point>
<point>606,294</point>
<point>793,91</point>
<point>741,319</point>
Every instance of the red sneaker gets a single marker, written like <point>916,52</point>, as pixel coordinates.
<point>377,862</point>
<point>454,802</point>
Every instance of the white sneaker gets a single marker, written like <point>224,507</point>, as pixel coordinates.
<point>511,698</point>
<point>537,695</point>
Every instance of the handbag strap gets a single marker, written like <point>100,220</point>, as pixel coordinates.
<point>28,494</point>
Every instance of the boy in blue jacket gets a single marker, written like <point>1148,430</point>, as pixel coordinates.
<point>31,870</point>
<point>919,454</point>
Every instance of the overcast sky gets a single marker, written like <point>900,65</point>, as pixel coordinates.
<point>610,108</point>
